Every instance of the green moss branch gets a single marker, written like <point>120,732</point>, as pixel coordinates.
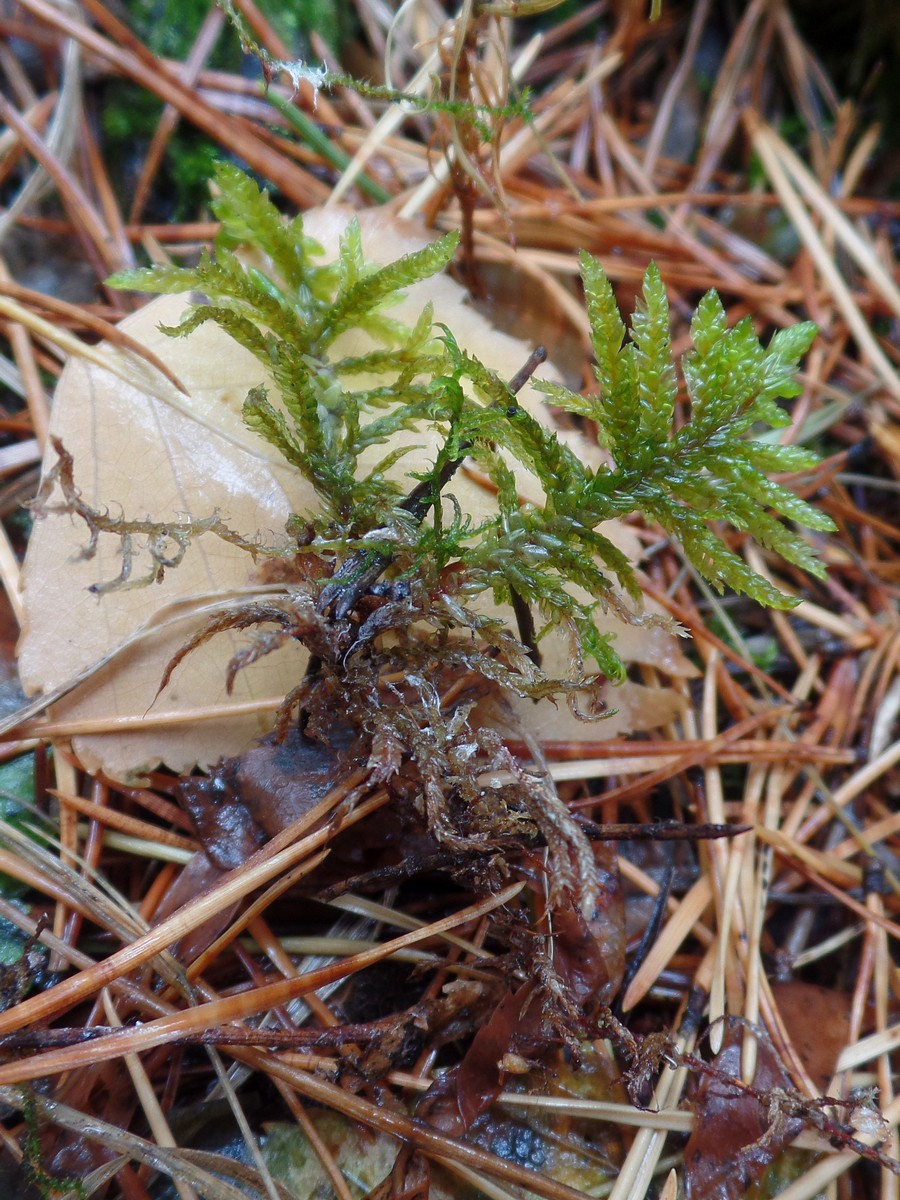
<point>551,556</point>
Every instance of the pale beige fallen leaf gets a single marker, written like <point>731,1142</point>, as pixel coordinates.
<point>143,449</point>
<point>631,708</point>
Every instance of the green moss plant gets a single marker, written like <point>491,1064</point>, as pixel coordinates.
<point>552,557</point>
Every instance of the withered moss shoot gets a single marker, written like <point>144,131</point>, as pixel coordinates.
<point>543,557</point>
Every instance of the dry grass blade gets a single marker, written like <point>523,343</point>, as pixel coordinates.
<point>270,863</point>
<point>824,262</point>
<point>71,345</point>
<point>23,352</point>
<point>174,1162</point>
<point>865,255</point>
<point>87,320</point>
<point>200,51</point>
<point>689,911</point>
<point>159,1127</point>
<point>164,1029</point>
<point>75,198</point>
<point>294,182</point>
<point>421,1135</point>
<point>59,138</point>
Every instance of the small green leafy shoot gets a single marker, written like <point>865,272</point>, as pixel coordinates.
<point>709,469</point>
<point>551,556</point>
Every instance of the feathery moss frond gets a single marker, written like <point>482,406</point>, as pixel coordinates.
<point>709,469</point>
<point>551,556</point>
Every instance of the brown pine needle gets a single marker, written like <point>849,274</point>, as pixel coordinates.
<point>164,1029</point>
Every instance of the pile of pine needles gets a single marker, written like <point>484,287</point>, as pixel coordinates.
<point>775,943</point>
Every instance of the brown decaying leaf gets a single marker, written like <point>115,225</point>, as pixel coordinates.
<point>735,1140</point>
<point>255,796</point>
<point>144,450</point>
<point>242,803</point>
<point>580,979</point>
<point>818,1022</point>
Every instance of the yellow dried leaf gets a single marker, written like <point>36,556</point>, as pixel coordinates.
<point>142,448</point>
